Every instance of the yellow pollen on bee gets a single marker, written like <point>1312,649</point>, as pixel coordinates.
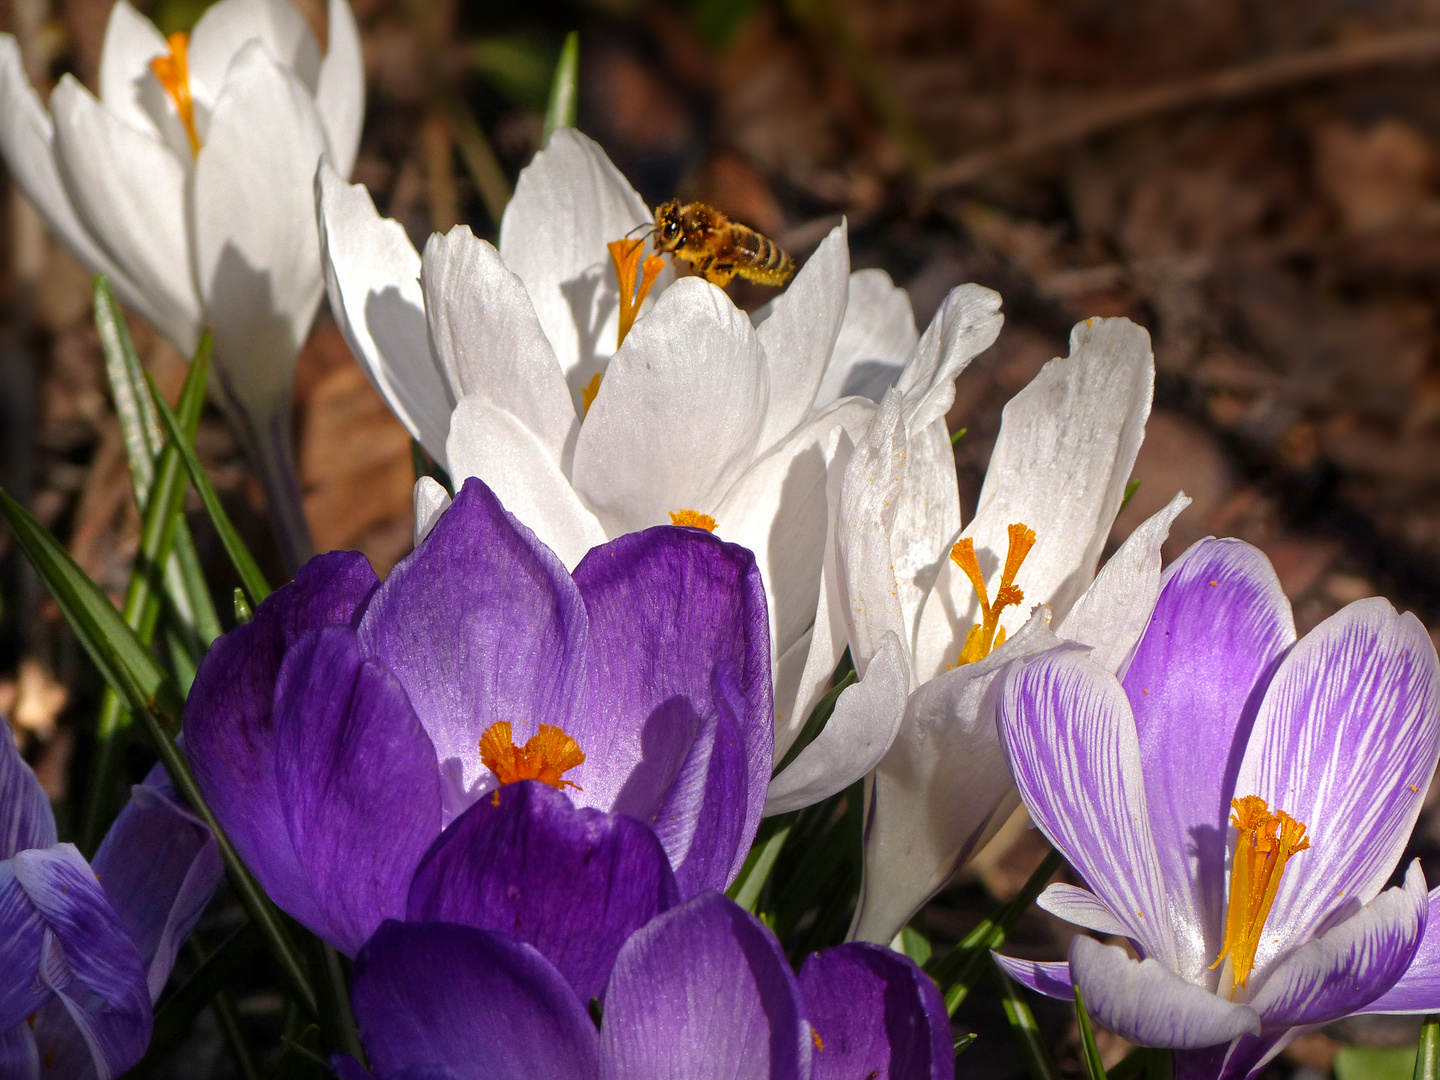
<point>546,757</point>
<point>625,254</point>
<point>173,73</point>
<point>1265,843</point>
<point>987,635</point>
<point>588,392</point>
<point>692,519</point>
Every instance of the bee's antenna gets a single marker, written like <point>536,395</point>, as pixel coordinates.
<point>649,225</point>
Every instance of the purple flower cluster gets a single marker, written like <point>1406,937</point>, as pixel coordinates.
<point>85,948</point>
<point>511,792</point>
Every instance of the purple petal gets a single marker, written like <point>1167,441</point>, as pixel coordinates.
<point>159,867</point>
<point>1219,628</point>
<point>22,930</point>
<point>481,623</point>
<point>1149,1004</point>
<point>1070,740</point>
<point>1349,965</point>
<point>1048,977</point>
<point>229,726</point>
<point>358,781</point>
<point>875,1013</point>
<point>1345,741</point>
<point>347,1068</point>
<point>25,817</point>
<point>86,958</point>
<point>1418,990</point>
<point>575,884</point>
<point>18,1056</point>
<point>704,992</point>
<point>666,607</point>
<point>479,1003</point>
<point>704,837</point>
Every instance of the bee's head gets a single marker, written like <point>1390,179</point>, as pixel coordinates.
<point>668,230</point>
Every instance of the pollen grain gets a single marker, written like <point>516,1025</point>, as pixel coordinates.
<point>983,637</point>
<point>546,757</point>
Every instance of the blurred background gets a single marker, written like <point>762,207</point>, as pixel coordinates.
<point>1258,183</point>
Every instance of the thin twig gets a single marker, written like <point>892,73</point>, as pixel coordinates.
<point>1414,46</point>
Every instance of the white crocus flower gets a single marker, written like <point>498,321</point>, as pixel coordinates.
<point>1056,479</point>
<point>187,182</point>
<point>504,364</point>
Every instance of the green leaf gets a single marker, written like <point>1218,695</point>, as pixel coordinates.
<point>1038,1062</point>
<point>1130,489</point>
<point>564,88</point>
<point>962,1042</point>
<point>1427,1057</point>
<point>243,614</point>
<point>1376,1063</point>
<point>915,945</point>
<point>770,838</point>
<point>164,504</point>
<point>958,970</point>
<point>123,661</point>
<point>128,666</point>
<point>301,1059</point>
<point>1131,1065</point>
<point>957,435</point>
<point>240,557</point>
<point>1094,1067</point>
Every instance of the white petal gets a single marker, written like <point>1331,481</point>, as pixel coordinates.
<point>1115,610</point>
<point>489,442</point>
<point>876,338</point>
<point>869,498</point>
<point>1067,444</point>
<point>127,85</point>
<point>938,789</point>
<point>431,500</point>
<point>257,245</point>
<point>866,719</point>
<point>778,510</point>
<point>129,190</point>
<point>27,143</point>
<point>487,340</point>
<point>927,517</point>
<point>1350,964</point>
<point>797,692</point>
<point>225,28</point>
<point>800,333</point>
<point>965,326</point>
<point>1151,1005</point>
<point>340,91</point>
<point>678,414</point>
<point>1081,907</point>
<point>372,273</point>
<point>569,202</point>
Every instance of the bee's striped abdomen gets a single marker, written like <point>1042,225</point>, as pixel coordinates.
<point>760,259</point>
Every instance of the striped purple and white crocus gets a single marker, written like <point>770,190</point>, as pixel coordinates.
<point>1236,800</point>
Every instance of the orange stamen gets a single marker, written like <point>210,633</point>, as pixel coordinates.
<point>587,394</point>
<point>546,757</point>
<point>173,72</point>
<point>692,518</point>
<point>1264,845</point>
<point>988,635</point>
<point>625,254</point>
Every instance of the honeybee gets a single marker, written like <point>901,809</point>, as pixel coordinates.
<point>719,248</point>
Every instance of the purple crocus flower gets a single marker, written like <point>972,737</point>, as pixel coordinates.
<point>336,734</point>
<point>532,907</point>
<point>88,946</point>
<point>1236,801</point>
